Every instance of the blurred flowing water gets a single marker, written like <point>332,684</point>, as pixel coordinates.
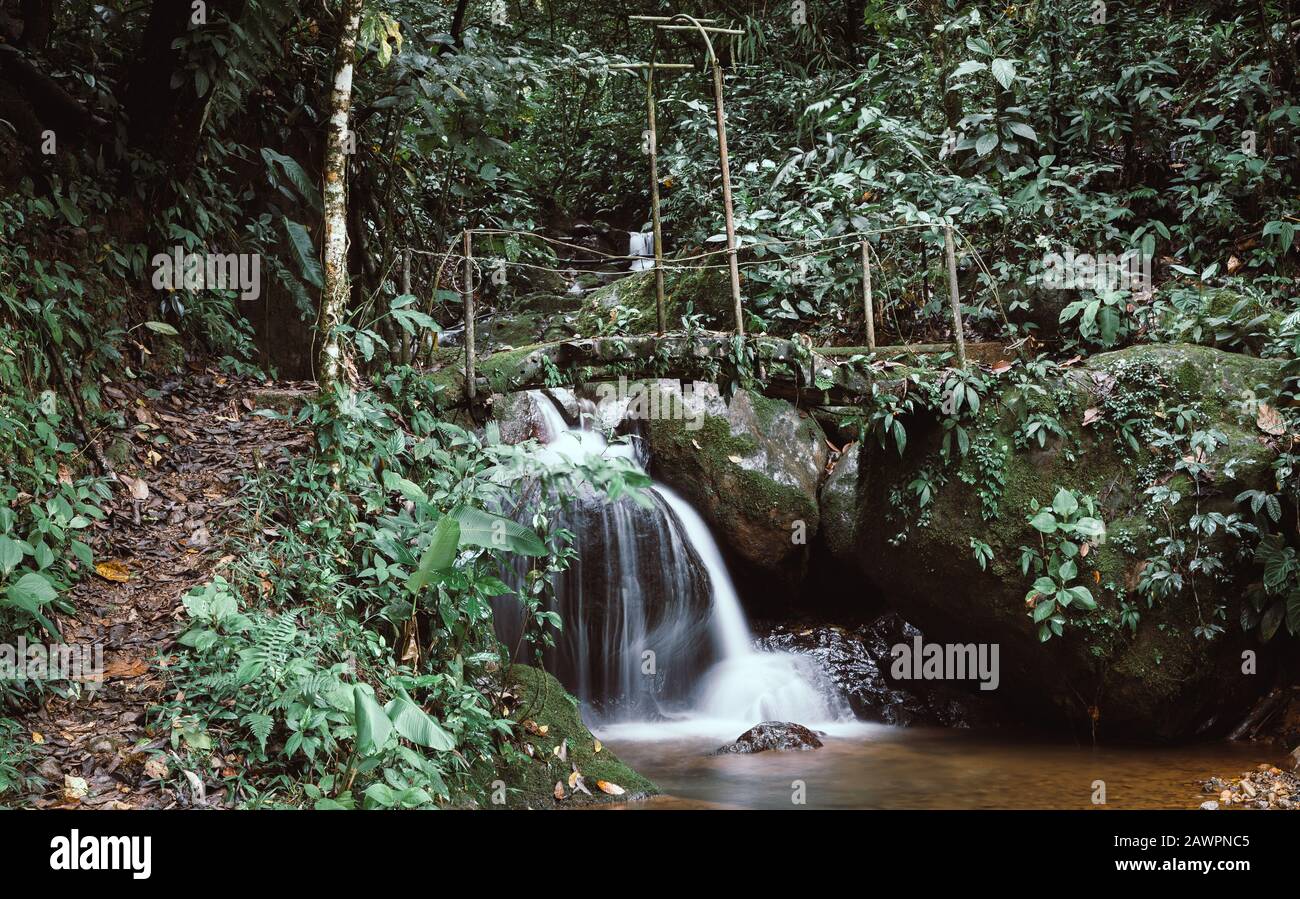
<point>653,628</point>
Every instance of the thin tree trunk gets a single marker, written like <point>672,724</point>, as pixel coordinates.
<point>334,298</point>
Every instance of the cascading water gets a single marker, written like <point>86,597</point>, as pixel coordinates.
<point>642,245</point>
<point>654,581</point>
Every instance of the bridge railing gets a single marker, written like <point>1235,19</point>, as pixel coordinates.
<point>465,276</point>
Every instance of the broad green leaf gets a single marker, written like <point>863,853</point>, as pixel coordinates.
<point>297,177</point>
<point>304,251</point>
<point>987,141</point>
<point>161,328</point>
<point>1004,70</point>
<point>438,556</point>
<point>408,489</point>
<point>412,723</point>
<point>31,591</point>
<point>1065,504</point>
<point>11,553</point>
<point>1044,609</point>
<point>480,528</point>
<point>1083,597</point>
<point>372,722</point>
<point>1090,528</point>
<point>1044,521</point>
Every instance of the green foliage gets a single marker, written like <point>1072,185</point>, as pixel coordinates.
<point>1069,530</point>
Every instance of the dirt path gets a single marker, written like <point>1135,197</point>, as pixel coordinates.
<point>192,442</point>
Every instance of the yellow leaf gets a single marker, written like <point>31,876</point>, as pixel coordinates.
<point>610,788</point>
<point>598,747</point>
<point>113,571</point>
<point>573,779</point>
<point>38,737</point>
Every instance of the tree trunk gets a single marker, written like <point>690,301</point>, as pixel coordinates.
<point>334,298</point>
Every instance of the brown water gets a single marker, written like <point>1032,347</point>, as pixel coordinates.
<point>880,767</point>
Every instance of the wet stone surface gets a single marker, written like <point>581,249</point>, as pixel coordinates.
<point>857,661</point>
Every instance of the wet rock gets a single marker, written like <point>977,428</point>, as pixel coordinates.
<point>1210,805</point>
<point>752,469</point>
<point>839,504</point>
<point>856,661</point>
<point>1267,787</point>
<point>1166,681</point>
<point>784,736</point>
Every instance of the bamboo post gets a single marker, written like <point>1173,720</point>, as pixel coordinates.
<point>726,197</point>
<point>683,22</point>
<point>469,317</point>
<point>653,150</point>
<point>953,298</point>
<point>660,313</point>
<point>405,354</point>
<point>867,307</point>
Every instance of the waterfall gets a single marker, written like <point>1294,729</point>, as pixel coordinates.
<point>642,244</point>
<point>655,580</point>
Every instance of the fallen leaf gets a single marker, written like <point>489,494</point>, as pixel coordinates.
<point>573,778</point>
<point>598,747</point>
<point>736,459</point>
<point>156,768</point>
<point>200,792</point>
<point>113,571</point>
<point>610,788</point>
<point>1270,421</point>
<point>124,666</point>
<point>139,486</point>
<point>38,737</point>
<point>1091,415</point>
<point>559,790</point>
<point>562,751</point>
<point>1002,365</point>
<point>75,789</point>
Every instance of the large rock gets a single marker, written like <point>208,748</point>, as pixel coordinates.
<point>751,467</point>
<point>839,506</point>
<point>1171,679</point>
<point>857,661</point>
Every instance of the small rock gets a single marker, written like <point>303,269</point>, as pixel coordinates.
<point>779,735</point>
<point>1210,805</point>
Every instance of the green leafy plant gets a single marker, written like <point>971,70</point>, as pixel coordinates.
<point>1068,530</point>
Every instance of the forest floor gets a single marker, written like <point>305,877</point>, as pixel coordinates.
<point>190,445</point>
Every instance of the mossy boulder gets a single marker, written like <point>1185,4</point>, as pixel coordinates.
<point>706,291</point>
<point>548,718</point>
<point>839,505</point>
<point>1171,679</point>
<point>751,467</point>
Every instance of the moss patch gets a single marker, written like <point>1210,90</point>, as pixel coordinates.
<point>541,702</point>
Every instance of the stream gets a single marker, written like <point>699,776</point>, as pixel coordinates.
<point>876,766</point>
<point>656,578</point>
